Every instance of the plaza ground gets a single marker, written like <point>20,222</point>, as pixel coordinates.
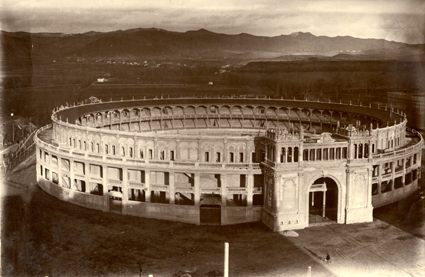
<point>43,236</point>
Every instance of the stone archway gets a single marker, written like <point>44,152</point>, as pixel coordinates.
<point>323,197</point>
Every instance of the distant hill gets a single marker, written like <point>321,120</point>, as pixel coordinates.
<point>201,44</point>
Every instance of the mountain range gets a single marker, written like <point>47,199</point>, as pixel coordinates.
<point>201,44</point>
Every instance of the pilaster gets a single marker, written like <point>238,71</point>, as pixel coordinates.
<point>172,187</point>
<point>148,185</point>
<point>197,188</point>
<point>250,188</point>
<point>223,178</point>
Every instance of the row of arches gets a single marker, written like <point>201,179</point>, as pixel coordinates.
<point>106,117</point>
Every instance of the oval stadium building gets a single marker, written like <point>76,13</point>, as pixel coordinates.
<point>288,163</point>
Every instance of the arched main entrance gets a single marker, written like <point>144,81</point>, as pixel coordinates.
<point>323,201</point>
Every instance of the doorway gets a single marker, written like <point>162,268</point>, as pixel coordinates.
<point>323,201</point>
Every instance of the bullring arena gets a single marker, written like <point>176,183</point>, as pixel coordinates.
<point>287,163</point>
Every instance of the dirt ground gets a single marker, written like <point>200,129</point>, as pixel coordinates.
<point>42,236</point>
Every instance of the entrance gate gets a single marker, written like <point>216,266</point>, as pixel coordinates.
<point>210,209</point>
<point>323,201</point>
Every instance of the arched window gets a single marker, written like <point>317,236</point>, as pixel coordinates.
<point>289,155</point>
<point>296,154</point>
<point>360,151</point>
<point>366,150</point>
<point>283,155</point>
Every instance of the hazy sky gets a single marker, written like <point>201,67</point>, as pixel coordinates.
<point>399,20</point>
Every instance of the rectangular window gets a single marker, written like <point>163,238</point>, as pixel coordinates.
<point>241,160</point>
<point>207,156</point>
<point>319,154</point>
<point>46,174</point>
<point>325,154</point>
<point>41,170</point>
<point>171,155</point>
<point>55,178</point>
<point>338,153</point>
<point>232,157</point>
<point>141,154</point>
<point>150,154</point>
<point>253,157</point>
<point>344,152</point>
<point>332,154</point>
<point>217,157</point>
<point>54,160</point>
<point>162,155</point>
<point>305,155</point>
<point>312,155</point>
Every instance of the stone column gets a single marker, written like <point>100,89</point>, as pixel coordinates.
<point>380,168</point>
<point>247,158</point>
<point>147,185</point>
<point>276,154</point>
<point>250,188</point>
<point>50,168</point>
<point>223,178</point>
<point>276,192</point>
<point>403,178</point>
<point>225,151</point>
<point>59,167</point>
<point>105,188</point>
<point>197,188</point>
<point>87,177</point>
<point>392,174</point>
<point>172,187</point>
<point>71,174</point>
<point>198,143</point>
<point>301,153</point>
<point>124,185</point>
<point>154,150</point>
